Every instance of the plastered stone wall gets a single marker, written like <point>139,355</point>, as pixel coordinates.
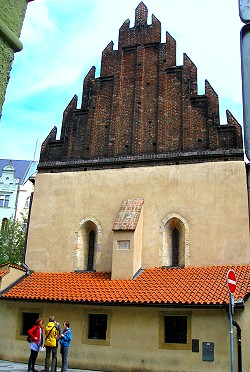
<point>11,20</point>
<point>211,199</point>
<point>134,338</point>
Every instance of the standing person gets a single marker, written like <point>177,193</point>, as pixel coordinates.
<point>51,334</point>
<point>59,329</point>
<point>65,339</point>
<point>36,340</point>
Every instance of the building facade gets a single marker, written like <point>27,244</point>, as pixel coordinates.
<point>138,210</point>
<point>11,21</point>
<point>16,186</point>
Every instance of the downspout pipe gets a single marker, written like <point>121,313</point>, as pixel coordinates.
<point>239,345</point>
<point>26,237</point>
<point>245,72</point>
<point>248,187</point>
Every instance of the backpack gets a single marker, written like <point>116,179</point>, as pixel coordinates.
<point>28,338</point>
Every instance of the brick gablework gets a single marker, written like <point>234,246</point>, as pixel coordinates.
<point>142,105</point>
<point>128,215</point>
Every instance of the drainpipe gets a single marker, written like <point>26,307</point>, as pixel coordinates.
<point>26,237</point>
<point>239,345</point>
<point>248,187</point>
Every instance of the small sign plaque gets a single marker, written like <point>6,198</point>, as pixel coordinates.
<point>123,244</point>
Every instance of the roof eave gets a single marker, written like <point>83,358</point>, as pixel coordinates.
<point>238,306</point>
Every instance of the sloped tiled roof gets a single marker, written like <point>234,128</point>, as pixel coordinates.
<point>15,266</point>
<point>23,168</point>
<point>3,272</point>
<point>189,286</point>
<point>129,214</point>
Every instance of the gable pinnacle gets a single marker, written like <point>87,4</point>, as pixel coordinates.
<point>141,15</point>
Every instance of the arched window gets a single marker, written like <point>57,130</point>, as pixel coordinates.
<point>91,250</point>
<point>175,247</point>
<point>174,250</point>
<point>87,252</point>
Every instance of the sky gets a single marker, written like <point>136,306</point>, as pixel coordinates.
<point>63,39</point>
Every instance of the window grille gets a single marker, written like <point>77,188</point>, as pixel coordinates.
<point>175,329</point>
<point>97,326</point>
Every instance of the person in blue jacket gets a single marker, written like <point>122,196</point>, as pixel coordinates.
<point>65,340</point>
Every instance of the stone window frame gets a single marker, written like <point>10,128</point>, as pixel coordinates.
<point>19,335</point>
<point>175,346</point>
<point>166,237</point>
<point>80,253</point>
<point>85,328</point>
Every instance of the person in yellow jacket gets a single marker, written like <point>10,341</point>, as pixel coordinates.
<point>51,334</point>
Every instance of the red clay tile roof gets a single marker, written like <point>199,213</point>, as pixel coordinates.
<point>128,215</point>
<point>8,264</point>
<point>3,272</point>
<point>176,286</point>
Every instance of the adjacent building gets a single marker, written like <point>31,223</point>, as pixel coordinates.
<point>11,20</point>
<point>139,211</point>
<point>16,186</point>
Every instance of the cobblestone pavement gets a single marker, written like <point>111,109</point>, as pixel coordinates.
<point>7,366</point>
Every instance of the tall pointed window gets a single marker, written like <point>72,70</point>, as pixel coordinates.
<point>91,250</point>
<point>175,241</point>
<point>87,253</point>
<point>175,247</point>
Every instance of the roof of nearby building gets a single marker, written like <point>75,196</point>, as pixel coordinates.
<point>192,286</point>
<point>3,272</point>
<point>23,168</point>
<point>7,265</point>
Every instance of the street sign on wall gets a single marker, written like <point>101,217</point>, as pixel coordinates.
<point>231,281</point>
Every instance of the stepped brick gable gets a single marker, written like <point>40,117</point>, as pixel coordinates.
<point>142,109</point>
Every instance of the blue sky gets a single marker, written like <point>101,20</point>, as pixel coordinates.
<point>63,38</point>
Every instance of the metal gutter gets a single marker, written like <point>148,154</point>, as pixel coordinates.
<point>131,304</point>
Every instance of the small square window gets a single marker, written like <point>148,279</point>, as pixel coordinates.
<point>175,331</point>
<point>97,326</point>
<point>28,321</point>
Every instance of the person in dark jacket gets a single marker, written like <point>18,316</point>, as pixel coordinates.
<point>65,340</point>
<point>36,340</point>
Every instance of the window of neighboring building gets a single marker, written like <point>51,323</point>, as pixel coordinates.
<point>175,331</point>
<point>27,202</point>
<point>4,201</point>
<point>98,326</point>
<point>25,224</point>
<point>4,223</point>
